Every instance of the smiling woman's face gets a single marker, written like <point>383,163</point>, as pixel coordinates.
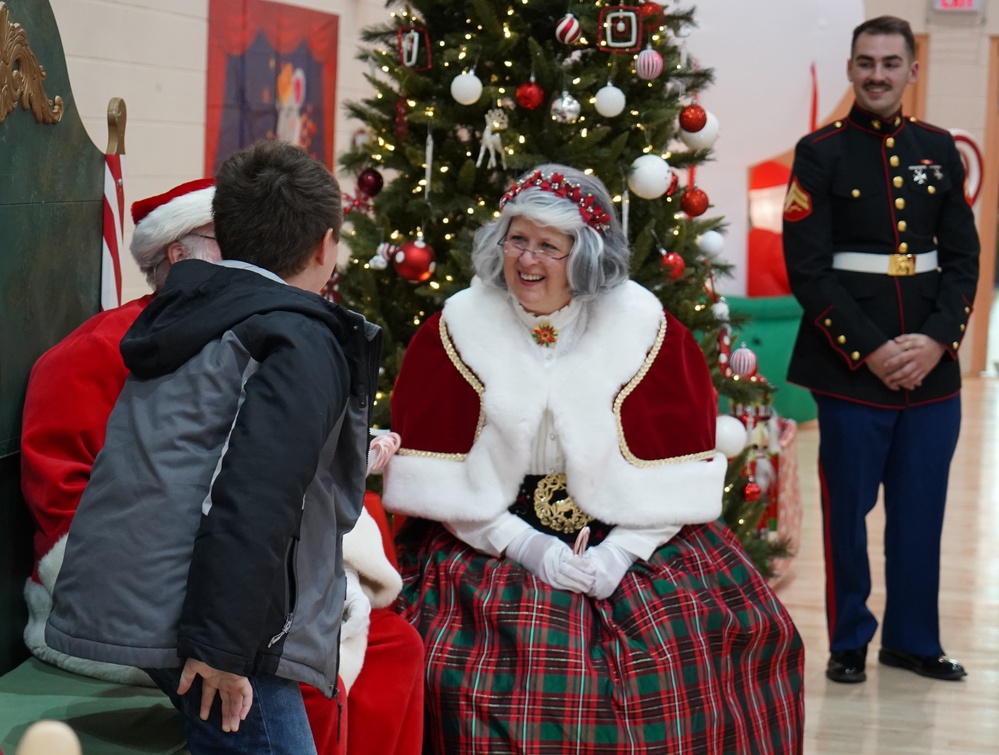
<point>540,283</point>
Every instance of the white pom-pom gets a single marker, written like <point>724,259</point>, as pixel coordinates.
<point>731,435</point>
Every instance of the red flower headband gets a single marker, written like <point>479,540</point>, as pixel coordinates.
<point>592,213</point>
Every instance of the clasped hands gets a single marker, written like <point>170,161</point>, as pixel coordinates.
<point>905,361</point>
<point>596,573</point>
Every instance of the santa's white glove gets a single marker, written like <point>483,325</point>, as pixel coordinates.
<point>551,561</point>
<point>610,563</point>
<point>356,609</point>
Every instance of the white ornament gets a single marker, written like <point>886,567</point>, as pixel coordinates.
<point>731,436</point>
<point>703,139</point>
<point>565,108</point>
<point>466,88</point>
<point>650,176</point>
<point>711,242</point>
<point>609,101</point>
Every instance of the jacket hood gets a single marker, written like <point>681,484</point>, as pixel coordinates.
<point>198,304</point>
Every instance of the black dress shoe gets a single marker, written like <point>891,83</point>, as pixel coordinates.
<point>847,666</point>
<point>933,666</point>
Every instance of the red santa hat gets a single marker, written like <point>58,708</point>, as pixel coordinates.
<point>163,219</point>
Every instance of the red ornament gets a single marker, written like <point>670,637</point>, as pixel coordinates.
<point>673,183</point>
<point>674,263</point>
<point>752,491</point>
<point>370,182</point>
<point>530,95</point>
<point>692,118</point>
<point>401,119</point>
<point>651,13</point>
<point>694,201</point>
<point>414,261</point>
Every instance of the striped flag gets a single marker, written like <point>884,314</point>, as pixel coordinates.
<point>114,231</point>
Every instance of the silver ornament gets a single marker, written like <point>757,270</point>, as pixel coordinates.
<point>566,108</point>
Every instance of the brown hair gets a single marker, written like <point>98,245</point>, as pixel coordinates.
<point>886,25</point>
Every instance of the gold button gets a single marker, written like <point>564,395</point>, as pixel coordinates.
<point>890,142</point>
<point>855,356</point>
<point>839,124</point>
<point>955,345</point>
<point>894,161</point>
<point>931,189</point>
<point>903,248</point>
<point>967,310</point>
<point>827,322</point>
<point>855,193</point>
<point>962,327</point>
<point>840,339</point>
<point>900,203</point>
<point>902,225</point>
<point>897,182</point>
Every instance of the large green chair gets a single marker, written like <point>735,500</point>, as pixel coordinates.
<point>51,230</point>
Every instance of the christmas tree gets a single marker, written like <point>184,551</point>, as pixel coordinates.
<point>467,96</point>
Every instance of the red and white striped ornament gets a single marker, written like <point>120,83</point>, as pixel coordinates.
<point>568,29</point>
<point>648,64</point>
<point>743,362</point>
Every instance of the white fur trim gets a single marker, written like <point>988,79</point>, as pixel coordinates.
<point>352,650</point>
<point>364,552</point>
<point>172,220</point>
<point>39,599</point>
<point>579,388</point>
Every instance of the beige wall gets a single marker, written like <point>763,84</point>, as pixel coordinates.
<point>153,54</point>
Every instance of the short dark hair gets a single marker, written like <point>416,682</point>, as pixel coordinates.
<point>886,25</point>
<point>273,204</point>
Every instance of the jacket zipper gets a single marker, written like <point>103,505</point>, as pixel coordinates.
<point>292,593</point>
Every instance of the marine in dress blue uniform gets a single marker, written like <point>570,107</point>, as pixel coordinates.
<point>880,244</point>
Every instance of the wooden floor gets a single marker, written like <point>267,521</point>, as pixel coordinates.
<point>896,711</point>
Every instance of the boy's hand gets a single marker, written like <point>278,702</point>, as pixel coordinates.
<point>234,690</point>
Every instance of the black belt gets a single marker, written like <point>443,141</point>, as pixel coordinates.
<point>545,504</point>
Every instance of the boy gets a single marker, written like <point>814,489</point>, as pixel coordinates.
<point>206,548</point>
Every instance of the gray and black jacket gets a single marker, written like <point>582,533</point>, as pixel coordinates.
<point>234,463</point>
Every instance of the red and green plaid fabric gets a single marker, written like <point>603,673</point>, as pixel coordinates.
<point>692,654</point>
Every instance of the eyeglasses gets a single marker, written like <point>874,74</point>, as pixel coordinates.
<point>517,248</point>
<point>201,236</point>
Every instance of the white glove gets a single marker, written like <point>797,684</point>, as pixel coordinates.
<point>551,561</point>
<point>356,609</point>
<point>610,563</point>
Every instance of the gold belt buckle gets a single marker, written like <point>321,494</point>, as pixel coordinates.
<point>562,515</point>
<point>901,264</point>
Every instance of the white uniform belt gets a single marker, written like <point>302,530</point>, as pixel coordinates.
<point>885,264</point>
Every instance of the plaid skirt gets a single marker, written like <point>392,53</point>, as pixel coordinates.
<point>693,653</point>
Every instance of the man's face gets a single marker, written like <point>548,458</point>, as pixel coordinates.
<point>879,70</point>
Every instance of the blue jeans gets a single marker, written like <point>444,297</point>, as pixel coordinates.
<point>275,725</point>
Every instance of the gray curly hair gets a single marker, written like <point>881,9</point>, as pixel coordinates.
<point>598,260</point>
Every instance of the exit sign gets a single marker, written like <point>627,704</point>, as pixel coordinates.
<point>956,4</point>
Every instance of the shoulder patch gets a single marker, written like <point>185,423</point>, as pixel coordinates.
<point>797,203</point>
